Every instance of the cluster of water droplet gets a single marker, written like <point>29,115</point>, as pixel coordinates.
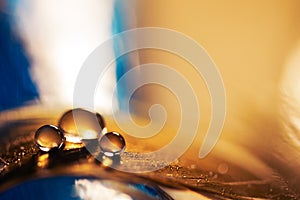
<point>77,127</point>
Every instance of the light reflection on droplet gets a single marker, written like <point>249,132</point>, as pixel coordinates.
<point>102,123</point>
<point>72,145</point>
<point>85,125</point>
<point>112,144</point>
<point>49,137</point>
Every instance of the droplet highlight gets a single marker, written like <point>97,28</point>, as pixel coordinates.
<point>101,123</point>
<point>78,124</point>
<point>112,144</point>
<point>49,137</point>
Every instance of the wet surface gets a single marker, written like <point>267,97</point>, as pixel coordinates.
<point>21,160</point>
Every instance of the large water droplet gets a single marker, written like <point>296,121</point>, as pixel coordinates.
<point>112,144</point>
<point>49,137</point>
<point>79,124</point>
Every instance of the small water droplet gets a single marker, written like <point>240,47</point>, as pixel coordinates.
<point>112,144</point>
<point>223,168</point>
<point>79,124</point>
<point>49,137</point>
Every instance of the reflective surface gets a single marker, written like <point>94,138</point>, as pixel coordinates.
<point>86,188</point>
<point>28,173</point>
<point>257,154</point>
<point>49,137</point>
<point>112,143</point>
<point>25,162</point>
<point>78,124</point>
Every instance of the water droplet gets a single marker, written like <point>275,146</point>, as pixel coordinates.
<point>49,137</point>
<point>79,124</point>
<point>223,168</point>
<point>112,144</point>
